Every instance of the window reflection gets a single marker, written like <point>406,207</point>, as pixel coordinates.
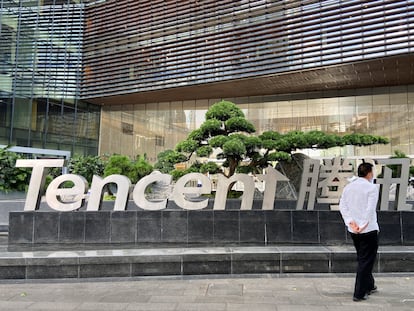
<point>292,37</point>
<point>40,72</point>
<point>383,111</point>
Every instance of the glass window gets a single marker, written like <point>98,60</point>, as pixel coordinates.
<point>127,130</point>
<point>380,111</point>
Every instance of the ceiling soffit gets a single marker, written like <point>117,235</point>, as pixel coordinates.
<point>380,72</point>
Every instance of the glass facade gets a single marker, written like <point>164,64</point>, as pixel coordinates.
<point>154,127</point>
<point>86,76</point>
<point>40,74</point>
<point>149,47</point>
<point>137,46</point>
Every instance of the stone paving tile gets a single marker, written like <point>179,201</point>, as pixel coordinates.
<point>130,297</point>
<point>14,305</point>
<point>253,293</point>
<point>151,307</point>
<point>213,306</point>
<point>215,289</point>
<point>90,306</point>
<point>301,307</point>
<point>220,299</point>
<point>44,306</point>
<point>251,307</point>
<point>173,299</point>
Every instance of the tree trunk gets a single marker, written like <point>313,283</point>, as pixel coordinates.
<point>232,167</point>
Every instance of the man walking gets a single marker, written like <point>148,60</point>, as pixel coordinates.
<point>358,209</point>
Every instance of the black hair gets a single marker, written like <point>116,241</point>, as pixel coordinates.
<point>364,169</point>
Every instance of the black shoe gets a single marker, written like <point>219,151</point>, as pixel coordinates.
<point>372,291</point>
<point>360,299</point>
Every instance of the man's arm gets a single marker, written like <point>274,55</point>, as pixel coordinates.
<point>345,212</point>
<point>371,207</point>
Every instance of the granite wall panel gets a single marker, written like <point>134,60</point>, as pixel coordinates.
<point>390,227</point>
<point>343,262</point>
<point>200,227</point>
<point>97,227</point>
<point>152,265</point>
<point>149,227</point>
<point>12,272</point>
<point>174,227</point>
<point>407,223</point>
<point>123,227</point>
<point>212,264</point>
<point>299,262</point>
<point>278,226</point>
<point>48,231</point>
<point>72,227</point>
<point>226,227</point>
<point>252,227</point>
<point>332,229</point>
<point>156,268</point>
<point>244,263</point>
<point>21,227</point>
<point>51,272</point>
<point>396,261</point>
<point>105,270</point>
<point>305,227</point>
<point>204,227</point>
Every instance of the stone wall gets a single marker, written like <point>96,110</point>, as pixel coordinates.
<point>203,227</point>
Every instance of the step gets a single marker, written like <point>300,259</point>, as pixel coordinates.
<point>181,261</point>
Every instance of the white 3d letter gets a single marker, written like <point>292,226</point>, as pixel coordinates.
<point>139,191</point>
<point>123,184</point>
<point>37,180</point>
<point>77,191</point>
<point>180,190</point>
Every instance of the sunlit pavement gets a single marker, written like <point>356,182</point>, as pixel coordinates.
<point>247,292</point>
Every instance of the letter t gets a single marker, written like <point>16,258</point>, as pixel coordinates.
<point>37,180</point>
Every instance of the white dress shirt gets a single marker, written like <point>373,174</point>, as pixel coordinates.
<point>358,203</point>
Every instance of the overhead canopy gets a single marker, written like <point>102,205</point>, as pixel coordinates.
<point>391,71</point>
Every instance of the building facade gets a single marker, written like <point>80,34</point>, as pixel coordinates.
<point>147,71</point>
<point>41,46</point>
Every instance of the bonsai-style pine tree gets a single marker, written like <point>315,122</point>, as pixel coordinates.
<point>228,135</point>
<point>225,131</point>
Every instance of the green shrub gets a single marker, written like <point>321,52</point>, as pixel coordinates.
<point>118,164</point>
<point>12,178</point>
<point>123,165</point>
<point>86,166</point>
<point>141,168</point>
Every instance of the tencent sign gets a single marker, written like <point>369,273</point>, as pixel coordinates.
<point>181,192</point>
<point>327,179</point>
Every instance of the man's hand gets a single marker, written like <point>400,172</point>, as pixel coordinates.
<point>355,228</point>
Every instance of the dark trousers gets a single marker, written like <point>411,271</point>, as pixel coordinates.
<point>366,245</point>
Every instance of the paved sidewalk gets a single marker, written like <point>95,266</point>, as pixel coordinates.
<point>252,293</point>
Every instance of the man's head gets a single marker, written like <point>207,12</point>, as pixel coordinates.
<point>365,170</point>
